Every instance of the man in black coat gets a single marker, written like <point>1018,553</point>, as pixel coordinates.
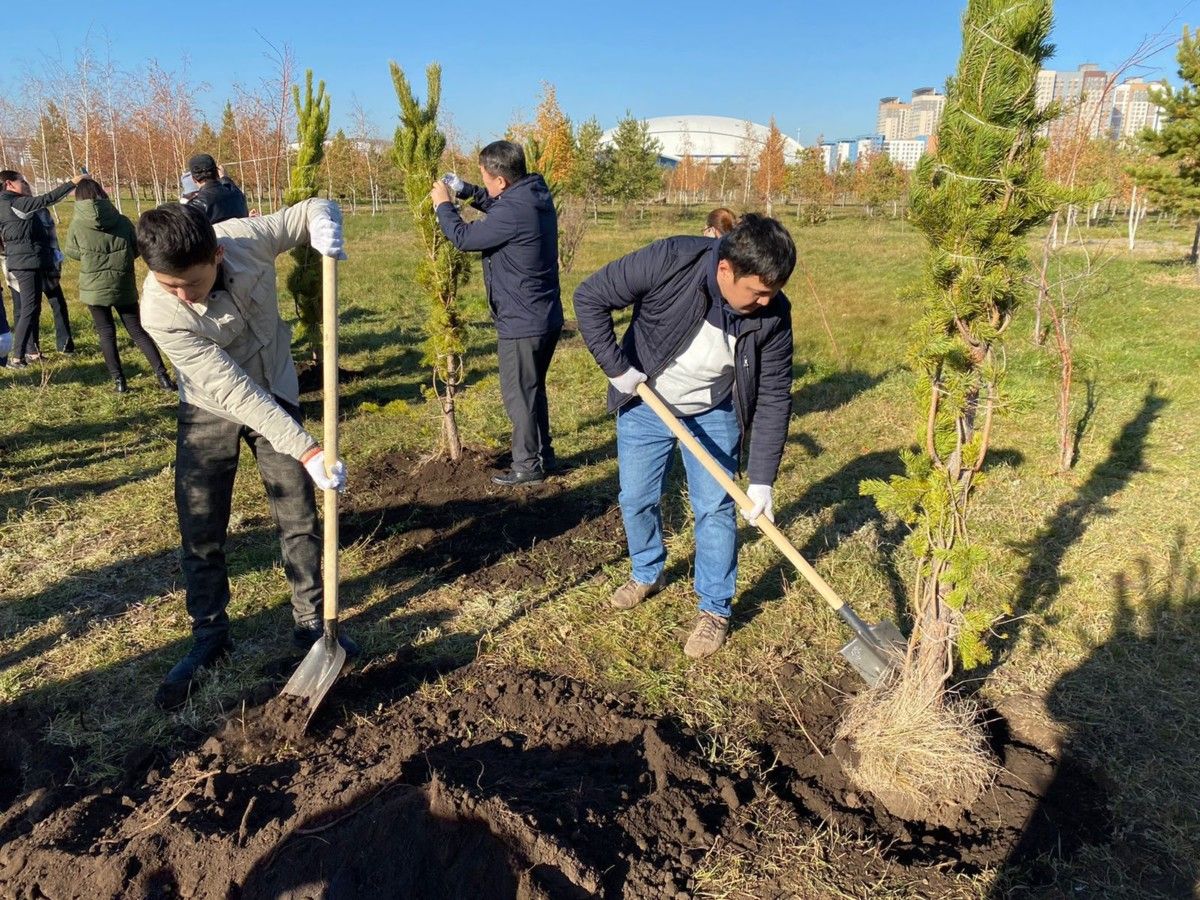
<point>712,334</point>
<point>29,251</point>
<point>519,240</point>
<point>218,197</point>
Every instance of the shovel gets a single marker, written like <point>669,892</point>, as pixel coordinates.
<point>875,649</point>
<point>327,657</point>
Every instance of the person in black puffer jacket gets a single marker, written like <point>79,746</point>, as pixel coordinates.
<point>711,333</point>
<point>29,252</point>
<point>219,198</point>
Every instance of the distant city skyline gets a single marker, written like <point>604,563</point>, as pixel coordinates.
<point>825,77</point>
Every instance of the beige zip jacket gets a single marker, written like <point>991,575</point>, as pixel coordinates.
<point>232,353</point>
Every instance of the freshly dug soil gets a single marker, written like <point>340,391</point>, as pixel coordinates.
<point>506,783</point>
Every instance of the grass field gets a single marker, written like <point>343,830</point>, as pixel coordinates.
<point>1100,565</point>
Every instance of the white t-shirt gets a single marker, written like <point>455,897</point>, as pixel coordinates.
<point>701,374</point>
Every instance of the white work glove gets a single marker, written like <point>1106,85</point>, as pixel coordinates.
<point>760,495</point>
<point>627,382</point>
<point>5,343</point>
<point>452,181</point>
<point>334,481</point>
<point>325,231</point>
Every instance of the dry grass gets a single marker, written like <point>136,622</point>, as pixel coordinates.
<point>916,747</point>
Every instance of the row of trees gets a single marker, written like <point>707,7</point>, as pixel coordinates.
<point>136,130</point>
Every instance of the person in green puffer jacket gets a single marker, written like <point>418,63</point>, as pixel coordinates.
<point>105,243</point>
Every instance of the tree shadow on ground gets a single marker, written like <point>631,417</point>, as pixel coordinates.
<point>834,390</point>
<point>1129,710</point>
<point>1042,580</point>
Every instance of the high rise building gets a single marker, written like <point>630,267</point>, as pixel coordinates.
<point>901,121</point>
<point>1134,109</point>
<point>892,121</point>
<point>925,112</point>
<point>1093,106</point>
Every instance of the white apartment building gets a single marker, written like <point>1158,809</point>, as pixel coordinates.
<point>892,121</point>
<point>1094,106</point>
<point>898,120</point>
<point>1134,109</point>
<point>906,153</point>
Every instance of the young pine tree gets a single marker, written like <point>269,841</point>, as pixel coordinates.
<point>1175,181</point>
<point>443,269</point>
<point>304,281</point>
<point>974,201</point>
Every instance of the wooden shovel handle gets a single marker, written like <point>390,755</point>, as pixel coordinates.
<point>329,315</point>
<point>765,525</point>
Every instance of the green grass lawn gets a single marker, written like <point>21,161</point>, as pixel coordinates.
<point>1099,565</point>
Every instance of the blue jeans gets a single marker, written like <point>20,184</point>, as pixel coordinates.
<point>644,450</point>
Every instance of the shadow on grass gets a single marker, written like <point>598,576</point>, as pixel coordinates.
<point>1043,581</point>
<point>833,391</point>
<point>1130,709</point>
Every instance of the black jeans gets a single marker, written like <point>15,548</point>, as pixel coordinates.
<point>524,363</point>
<point>27,311</point>
<point>206,462</point>
<point>106,331</point>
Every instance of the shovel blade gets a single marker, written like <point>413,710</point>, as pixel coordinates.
<point>316,673</point>
<point>874,659</point>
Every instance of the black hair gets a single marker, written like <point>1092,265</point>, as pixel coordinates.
<point>762,247</point>
<point>174,237</point>
<point>90,189</point>
<point>504,159</point>
<point>9,175</point>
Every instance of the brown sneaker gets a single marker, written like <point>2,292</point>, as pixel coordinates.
<point>632,592</point>
<point>707,637</point>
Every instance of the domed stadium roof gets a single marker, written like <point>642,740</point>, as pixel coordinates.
<point>709,137</point>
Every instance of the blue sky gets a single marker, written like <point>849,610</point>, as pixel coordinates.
<point>819,68</point>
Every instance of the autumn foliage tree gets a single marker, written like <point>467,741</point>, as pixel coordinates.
<point>770,170</point>
<point>443,270</point>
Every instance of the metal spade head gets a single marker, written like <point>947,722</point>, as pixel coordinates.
<point>317,671</point>
<point>873,659</point>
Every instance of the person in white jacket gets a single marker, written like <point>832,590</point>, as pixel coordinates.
<point>210,304</point>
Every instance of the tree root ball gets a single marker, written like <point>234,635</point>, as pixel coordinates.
<point>919,749</point>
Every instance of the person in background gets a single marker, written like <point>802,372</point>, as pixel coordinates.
<point>5,331</point>
<point>105,244</point>
<point>29,254</point>
<point>719,223</point>
<point>216,195</point>
<point>210,303</point>
<point>518,238</point>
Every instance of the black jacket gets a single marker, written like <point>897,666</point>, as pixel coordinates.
<point>27,242</point>
<point>671,286</point>
<point>221,200</point>
<point>519,240</point>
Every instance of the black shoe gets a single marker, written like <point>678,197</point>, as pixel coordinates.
<point>165,382</point>
<point>304,636</point>
<point>549,462</point>
<point>120,385</point>
<point>177,686</point>
<point>513,477</point>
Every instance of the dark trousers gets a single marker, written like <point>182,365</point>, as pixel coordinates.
<point>206,462</point>
<point>27,311</point>
<point>52,287</point>
<point>106,331</point>
<point>524,363</point>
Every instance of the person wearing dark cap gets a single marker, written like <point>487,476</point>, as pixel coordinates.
<point>218,197</point>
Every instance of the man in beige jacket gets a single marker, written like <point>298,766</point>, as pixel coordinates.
<point>210,304</point>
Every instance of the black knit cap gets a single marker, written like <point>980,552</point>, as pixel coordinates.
<point>202,166</point>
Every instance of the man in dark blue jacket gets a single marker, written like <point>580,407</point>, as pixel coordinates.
<point>218,197</point>
<point>712,334</point>
<point>519,240</point>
